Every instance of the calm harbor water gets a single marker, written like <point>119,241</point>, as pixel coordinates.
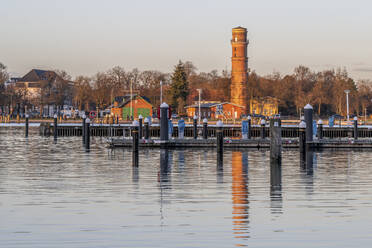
<point>57,195</point>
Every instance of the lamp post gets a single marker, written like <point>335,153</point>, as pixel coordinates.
<point>199,115</point>
<point>365,116</point>
<point>347,103</point>
<point>131,99</point>
<point>161,92</point>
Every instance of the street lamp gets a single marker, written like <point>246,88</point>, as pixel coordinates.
<point>161,92</point>
<point>199,115</point>
<point>365,116</point>
<point>347,103</point>
<point>131,98</point>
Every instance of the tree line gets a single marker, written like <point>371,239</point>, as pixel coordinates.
<point>324,90</point>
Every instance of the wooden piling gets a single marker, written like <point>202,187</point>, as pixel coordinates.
<point>26,126</point>
<point>219,136</point>
<point>140,131</point>
<point>249,127</point>
<point>55,127</point>
<point>308,113</point>
<point>275,140</point>
<point>135,142</point>
<point>263,124</point>
<point>205,128</point>
<point>302,137</point>
<point>147,131</point>
<point>87,134</point>
<point>355,128</point>
<point>164,122</point>
<point>83,128</point>
<point>195,126</point>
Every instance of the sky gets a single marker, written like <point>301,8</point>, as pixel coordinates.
<point>84,37</point>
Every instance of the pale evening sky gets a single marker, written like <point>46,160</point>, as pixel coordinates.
<point>87,36</point>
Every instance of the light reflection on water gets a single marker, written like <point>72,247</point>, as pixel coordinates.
<point>57,195</point>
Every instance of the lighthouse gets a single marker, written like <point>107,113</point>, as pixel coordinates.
<point>239,66</point>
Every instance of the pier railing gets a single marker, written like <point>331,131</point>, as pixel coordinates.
<point>231,131</point>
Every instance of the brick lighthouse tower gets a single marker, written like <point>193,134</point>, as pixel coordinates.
<point>239,66</point>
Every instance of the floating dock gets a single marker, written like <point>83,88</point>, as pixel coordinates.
<point>239,143</point>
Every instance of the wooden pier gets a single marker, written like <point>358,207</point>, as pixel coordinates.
<point>231,131</point>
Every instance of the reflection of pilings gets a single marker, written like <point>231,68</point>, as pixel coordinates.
<point>309,165</point>
<point>181,158</point>
<point>135,174</point>
<point>276,199</point>
<point>276,165</point>
<point>240,195</point>
<point>219,167</point>
<point>164,166</point>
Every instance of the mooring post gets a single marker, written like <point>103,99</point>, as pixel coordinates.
<point>26,126</point>
<point>195,125</point>
<point>147,130</point>
<point>205,128</point>
<point>87,134</point>
<point>275,140</point>
<point>219,135</point>
<point>181,128</point>
<point>302,136</point>
<point>164,122</point>
<point>308,113</point>
<point>355,128</point>
<point>263,124</point>
<point>320,129</point>
<point>55,128</point>
<point>135,141</point>
<point>140,130</point>
<point>249,127</point>
<point>83,128</point>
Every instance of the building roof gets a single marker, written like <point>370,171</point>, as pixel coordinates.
<point>126,99</point>
<point>239,27</point>
<point>212,104</point>
<point>202,105</point>
<point>222,103</point>
<point>36,75</point>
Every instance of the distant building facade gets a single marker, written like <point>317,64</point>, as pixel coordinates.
<point>266,106</point>
<point>34,81</point>
<point>126,106</point>
<point>215,110</point>
<point>44,90</point>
